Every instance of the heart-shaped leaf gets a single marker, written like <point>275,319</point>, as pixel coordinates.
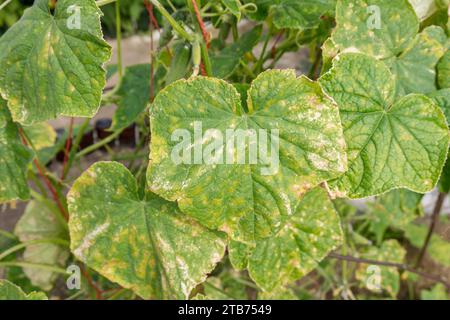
<point>391,144</point>
<point>387,30</point>
<point>52,64</point>
<point>9,291</point>
<point>290,141</point>
<point>306,238</point>
<point>14,160</point>
<point>145,245</point>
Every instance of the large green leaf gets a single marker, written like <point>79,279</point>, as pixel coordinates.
<point>132,95</point>
<point>40,223</point>
<point>390,251</point>
<point>411,56</point>
<point>49,66</point>
<point>14,160</point>
<point>9,291</point>
<point>145,245</point>
<point>394,209</point>
<point>391,143</point>
<point>307,237</point>
<point>246,200</point>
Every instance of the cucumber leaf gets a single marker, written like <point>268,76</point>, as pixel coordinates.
<point>307,237</point>
<point>391,144</point>
<point>145,245</point>
<point>444,71</point>
<point>50,65</point>
<point>412,57</point>
<point>248,201</point>
<point>14,160</point>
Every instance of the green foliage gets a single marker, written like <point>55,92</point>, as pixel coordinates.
<point>9,291</point>
<point>183,215</point>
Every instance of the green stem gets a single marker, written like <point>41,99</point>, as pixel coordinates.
<point>4,4</point>
<point>98,145</point>
<point>104,2</point>
<point>33,265</point>
<point>33,242</point>
<point>7,234</point>
<point>175,25</point>
<point>119,39</point>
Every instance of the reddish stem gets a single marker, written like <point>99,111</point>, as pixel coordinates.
<point>43,174</point>
<point>274,47</point>
<point>201,23</point>
<point>67,150</point>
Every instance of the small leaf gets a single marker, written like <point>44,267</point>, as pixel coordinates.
<point>400,144</point>
<point>145,245</point>
<point>387,30</point>
<point>307,237</point>
<point>226,61</point>
<point>390,251</point>
<point>38,223</point>
<point>395,209</point>
<point>438,248</point>
<point>50,65</point>
<point>438,292</point>
<point>238,254</point>
<point>248,201</point>
<point>300,14</point>
<point>293,14</point>
<point>132,95</point>
<point>9,291</point>
<point>14,161</point>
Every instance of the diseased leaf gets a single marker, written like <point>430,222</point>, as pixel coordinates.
<point>50,65</point>
<point>391,144</point>
<point>145,245</point>
<point>395,209</point>
<point>132,95</point>
<point>444,71</point>
<point>248,201</point>
<point>307,237</point>
<point>387,30</point>
<point>9,291</point>
<point>438,248</point>
<point>442,99</point>
<point>39,223</point>
<point>42,135</point>
<point>390,251</point>
<point>226,61</point>
<point>14,160</point>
